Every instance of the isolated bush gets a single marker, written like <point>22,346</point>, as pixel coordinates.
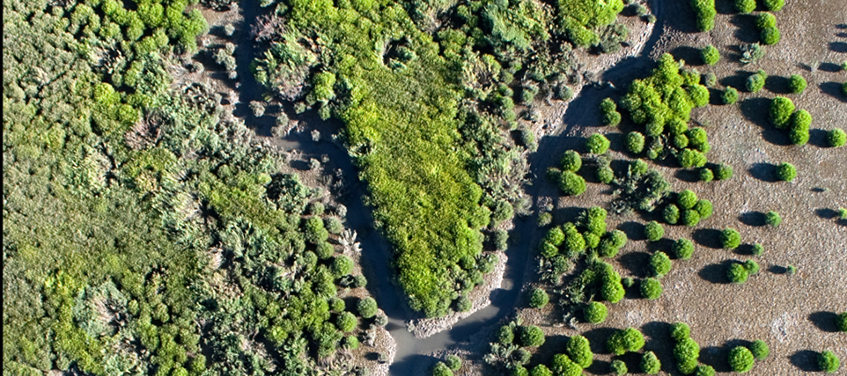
<point>618,367</point>
<point>650,363</point>
<point>758,249</point>
<point>723,172</point>
<point>651,288</point>
<point>595,312</point>
<point>704,370</point>
<point>730,238</point>
<point>828,362</point>
<point>745,6</point>
<point>755,83</point>
<point>773,218</point>
<point>660,264</point>
<point>579,350</point>
<point>341,266</point>
<point>571,184</point>
<point>729,95</point>
<point>351,342</point>
<point>544,219</point>
<point>774,5</point>
<point>737,273</point>
<point>605,174</point>
<point>751,266</point>
<point>538,298</point>
<point>790,270</point>
<point>710,80</point>
<point>680,331</point>
<point>597,144</point>
<point>796,83</point>
<point>780,112</point>
<point>453,362</point>
<point>786,171</point>
<point>836,138</point>
<point>571,161</point>
<point>765,20</point>
<point>635,142</point>
<point>441,369</point>
<point>346,322</point>
<point>760,349</point>
<point>653,231</point>
<point>611,116</point>
<point>710,55</point>
<point>703,208</point>
<point>740,359</point>
<point>540,370</point>
<point>686,352</point>
<point>367,307</point>
<point>532,336</point>
<point>683,249</point>
<point>686,199</point>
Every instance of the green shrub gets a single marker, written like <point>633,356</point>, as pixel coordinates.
<point>765,20</point>
<point>723,172</point>
<point>618,367</point>
<point>786,171</point>
<point>755,83</point>
<point>710,55</point>
<point>706,175</point>
<point>740,359</point>
<point>758,249</point>
<point>579,351</point>
<point>538,298</point>
<point>737,273</point>
<point>686,352</point>
<point>680,331</point>
<point>680,141</point>
<point>745,6</point>
<point>612,290</point>
<point>574,243</point>
<point>650,363</point>
<point>605,174</point>
<point>367,307</point>
<point>635,142</point>
<point>780,112</point>
<point>651,288</point>
<point>729,95</point>
<point>751,266</point>
<point>828,362</point>
<point>670,214</point>
<point>796,83</point>
<point>730,238</point>
<point>505,335</point>
<point>791,270</point>
<point>703,208</point>
<point>704,370</point>
<point>532,336</point>
<point>555,236</point>
<point>341,266</point>
<point>540,370</point>
<point>686,199</point>
<point>564,366</point>
<point>633,339</point>
<point>571,184</point>
<point>597,144</point>
<point>609,110</point>
<point>690,218</point>
<point>800,123</point>
<point>654,129</point>
<point>595,312</point>
<point>544,219</point>
<point>660,264</point>
<point>773,218</point>
<point>336,305</point>
<point>705,11</point>
<point>453,362</point>
<point>683,249</point>
<point>547,250</point>
<point>774,5</point>
<point>653,231</point>
<point>315,232</point>
<point>836,138</point>
<point>463,304</point>
<point>571,161</point>
<point>760,349</point>
<point>689,158</point>
<point>346,322</point>
<point>516,368</point>
<point>699,95</point>
<point>441,369</point>
<point>841,322</point>
<point>351,342</point>
<point>324,250</point>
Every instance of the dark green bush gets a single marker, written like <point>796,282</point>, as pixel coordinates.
<point>564,366</point>
<point>611,116</point>
<point>346,322</point>
<point>367,307</point>
<point>635,142</point>
<point>745,6</point>
<point>780,112</point>
<point>651,288</point>
<point>315,232</point>
<point>723,172</point>
<point>579,351</point>
<point>740,359</point>
<point>516,368</point>
<point>774,5</point>
<point>751,266</point>
<point>505,335</point>
<point>686,352</point>
<point>532,336</point>
<point>571,184</point>
<point>441,369</point>
<point>538,298</point>
<point>671,214</point>
<point>765,20</point>
<point>595,312</point>
<point>540,370</point>
<point>324,250</point>
<point>730,238</point>
<point>660,264</point>
<point>737,273</point>
<point>758,249</point>
<point>796,83</point>
<point>680,331</point>
<point>706,175</point>
<point>710,55</point>
<point>653,231</point>
<point>704,370</point>
<point>841,322</point>
<point>686,199</point>
<point>786,171</point>
<point>547,250</point>
<point>760,349</point>
<point>703,208</point>
<point>729,95</point>
<point>545,219</point>
<point>773,218</point>
<point>597,144</point>
<point>755,83</point>
<point>836,137</point>
<point>618,367</point>
<point>605,174</point>
<point>828,362</point>
<point>800,123</point>
<point>453,362</point>
<point>650,363</point>
<point>341,266</point>
<point>463,304</point>
<point>683,249</point>
<point>571,161</point>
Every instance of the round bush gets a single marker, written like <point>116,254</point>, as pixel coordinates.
<point>351,342</point>
<point>745,6</point>
<point>660,264</point>
<point>680,141</point>
<point>730,238</point>
<point>798,136</point>
<point>654,128</point>
<point>703,208</point>
<point>723,172</point>
<point>691,158</point>
<point>690,218</point>
<point>683,249</point>
<point>729,95</point>
<point>341,266</point>
<point>612,291</point>
<point>547,250</point>
<point>650,363</point>
<point>505,335</point>
<point>453,362</point>
<point>591,240</point>
<point>540,370</point>
<point>704,370</point>
<point>773,218</point>
<point>796,83</point>
<point>571,161</point>
<point>651,288</point>
<point>786,171</point>
<point>706,175</point>
<point>828,362</point>
<point>463,304</point>
<point>836,138</point>
<point>686,353</point>
<point>699,95</point>
<point>346,322</point>
<point>336,305</point>
<point>760,349</point>
<point>544,219</point>
<point>532,336</point>
<point>755,83</point>
<point>737,273</point>
<point>740,359</point>
<point>571,184</point>
<point>367,307</point>
<point>605,174</point>
<point>680,331</point>
<point>686,199</point>
<point>538,298</point>
<point>441,369</point>
<point>751,266</point>
<point>765,20</point>
<point>841,322</point>
<point>579,350</point>
<point>758,249</point>
<point>324,250</point>
<point>710,55</point>
<point>618,367</point>
<point>595,312</point>
<point>800,123</point>
<point>780,112</point>
<point>653,231</point>
<point>564,366</point>
<point>597,144</point>
<point>774,5</point>
<point>517,368</point>
<point>671,214</point>
<point>633,340</point>
<point>635,142</point>
<point>676,126</point>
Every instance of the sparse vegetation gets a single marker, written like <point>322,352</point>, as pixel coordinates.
<point>773,219</point>
<point>828,362</point>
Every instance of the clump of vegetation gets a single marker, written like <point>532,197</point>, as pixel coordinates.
<point>532,336</point>
<point>609,109</point>
<point>625,340</point>
<point>641,189</point>
<point>836,138</point>
<point>660,264</point>
<point>441,369</point>
<point>729,95</point>
<point>758,249</point>
<point>781,109</point>
<point>597,144</point>
<point>650,364</point>
<point>796,83</point>
<point>766,23</point>
<point>737,273</point>
<point>710,55</point>
<point>579,351</point>
<point>841,322</point>
<point>756,82</point>
<point>828,362</point>
<point>723,172</point>
<point>571,161</point>
<point>705,11</point>
<point>730,238</point>
<point>683,249</point>
<point>760,349</point>
<point>650,288</point>
<point>680,331</point>
<point>653,231</point>
<point>618,367</point>
<point>774,5</point>
<point>740,359</point>
<point>595,312</point>
<point>773,218</point>
<point>686,351</point>
<point>745,6</point>
<point>453,362</point>
<point>786,171</point>
<point>538,298</point>
<point>751,53</point>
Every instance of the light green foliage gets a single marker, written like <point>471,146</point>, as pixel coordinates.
<point>786,171</point>
<point>579,351</point>
<point>773,218</point>
<point>704,208</point>
<point>704,370</point>
<point>680,331</point>
<point>755,82</point>
<point>686,199</point>
<point>595,312</point>
<point>745,6</point>
<point>518,369</point>
<point>758,249</point>
<point>828,362</point>
<point>618,367</point>
<point>705,11</point>
<point>729,95</point>
<point>540,370</point>
<point>760,349</point>
<point>710,55</point>
<point>571,184</point>
<point>796,83</point>
<point>571,161</point>
<point>538,298</point>
<point>532,336</point>
<point>740,359</point>
<point>686,352</point>
<point>660,264</point>
<point>634,142</point>
<point>564,366</point>
<point>653,231</point>
<point>605,174</point>
<point>774,5</point>
<point>651,288</point>
<point>580,18</point>
<point>752,266</point>
<point>836,138</point>
<point>346,322</point>
<point>770,35</point>
<point>367,307</point>
<point>799,131</point>
<point>341,266</point>
<point>781,109</point>
<point>765,20</point>
<point>683,249</point>
<point>453,362</point>
<point>737,273</point>
<point>441,369</point>
<point>723,172</point>
<point>706,175</point>
<point>597,144</point>
<point>650,364</point>
<point>730,238</point>
<point>670,214</point>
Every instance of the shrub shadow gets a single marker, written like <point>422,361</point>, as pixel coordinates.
<point>829,67</point>
<point>776,269</point>
<point>657,330</point>
<point>636,263</point>
<point>833,89</point>
<point>752,218</point>
<point>687,175</point>
<point>826,213</point>
<point>597,338</point>
<point>777,85</point>
<point>805,360</point>
<point>691,55</point>
<point>838,46</point>
<point>715,356</point>
<point>765,172</point>
<point>756,110</point>
<point>817,137</point>
<point>633,230</point>
<point>738,80</point>
<point>744,249</point>
<point>746,24</point>
<point>707,237</point>
<point>716,273</point>
<point>824,321</point>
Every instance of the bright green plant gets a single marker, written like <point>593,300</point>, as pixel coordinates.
<point>660,264</point>
<point>680,331</point>
<point>773,219</point>
<point>453,362</point>
<point>690,218</point>
<point>745,6</point>
<point>704,208</point>
<point>532,336</point>
<point>346,322</point>
<point>836,138</point>
<point>704,370</point>
<point>723,172</point>
<point>367,307</point>
<point>540,370</point>
<point>686,352</point>
<point>796,83</point>
<point>729,95</point>
<point>758,249</point>
<point>618,367</point>
<point>752,266</point>
<point>730,238</point>
<point>571,161</point>
<point>706,175</point>
<point>755,83</point>
<point>841,322</point>
<point>538,298</point>
<point>441,369</point>
<point>579,351</point>
<point>828,362</point>
<point>710,55</point>
<point>597,144</point>
<point>740,359</point>
<point>595,312</point>
<point>683,249</point>
<point>765,20</point>
<point>651,288</point>
<point>786,171</point>
<point>650,363</point>
<point>737,273</point>
<point>611,116</point>
<point>635,142</point>
<point>653,231</point>
<point>760,349</point>
<point>774,5</point>
<point>571,184</point>
<point>781,109</point>
<point>671,214</point>
<point>686,199</point>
